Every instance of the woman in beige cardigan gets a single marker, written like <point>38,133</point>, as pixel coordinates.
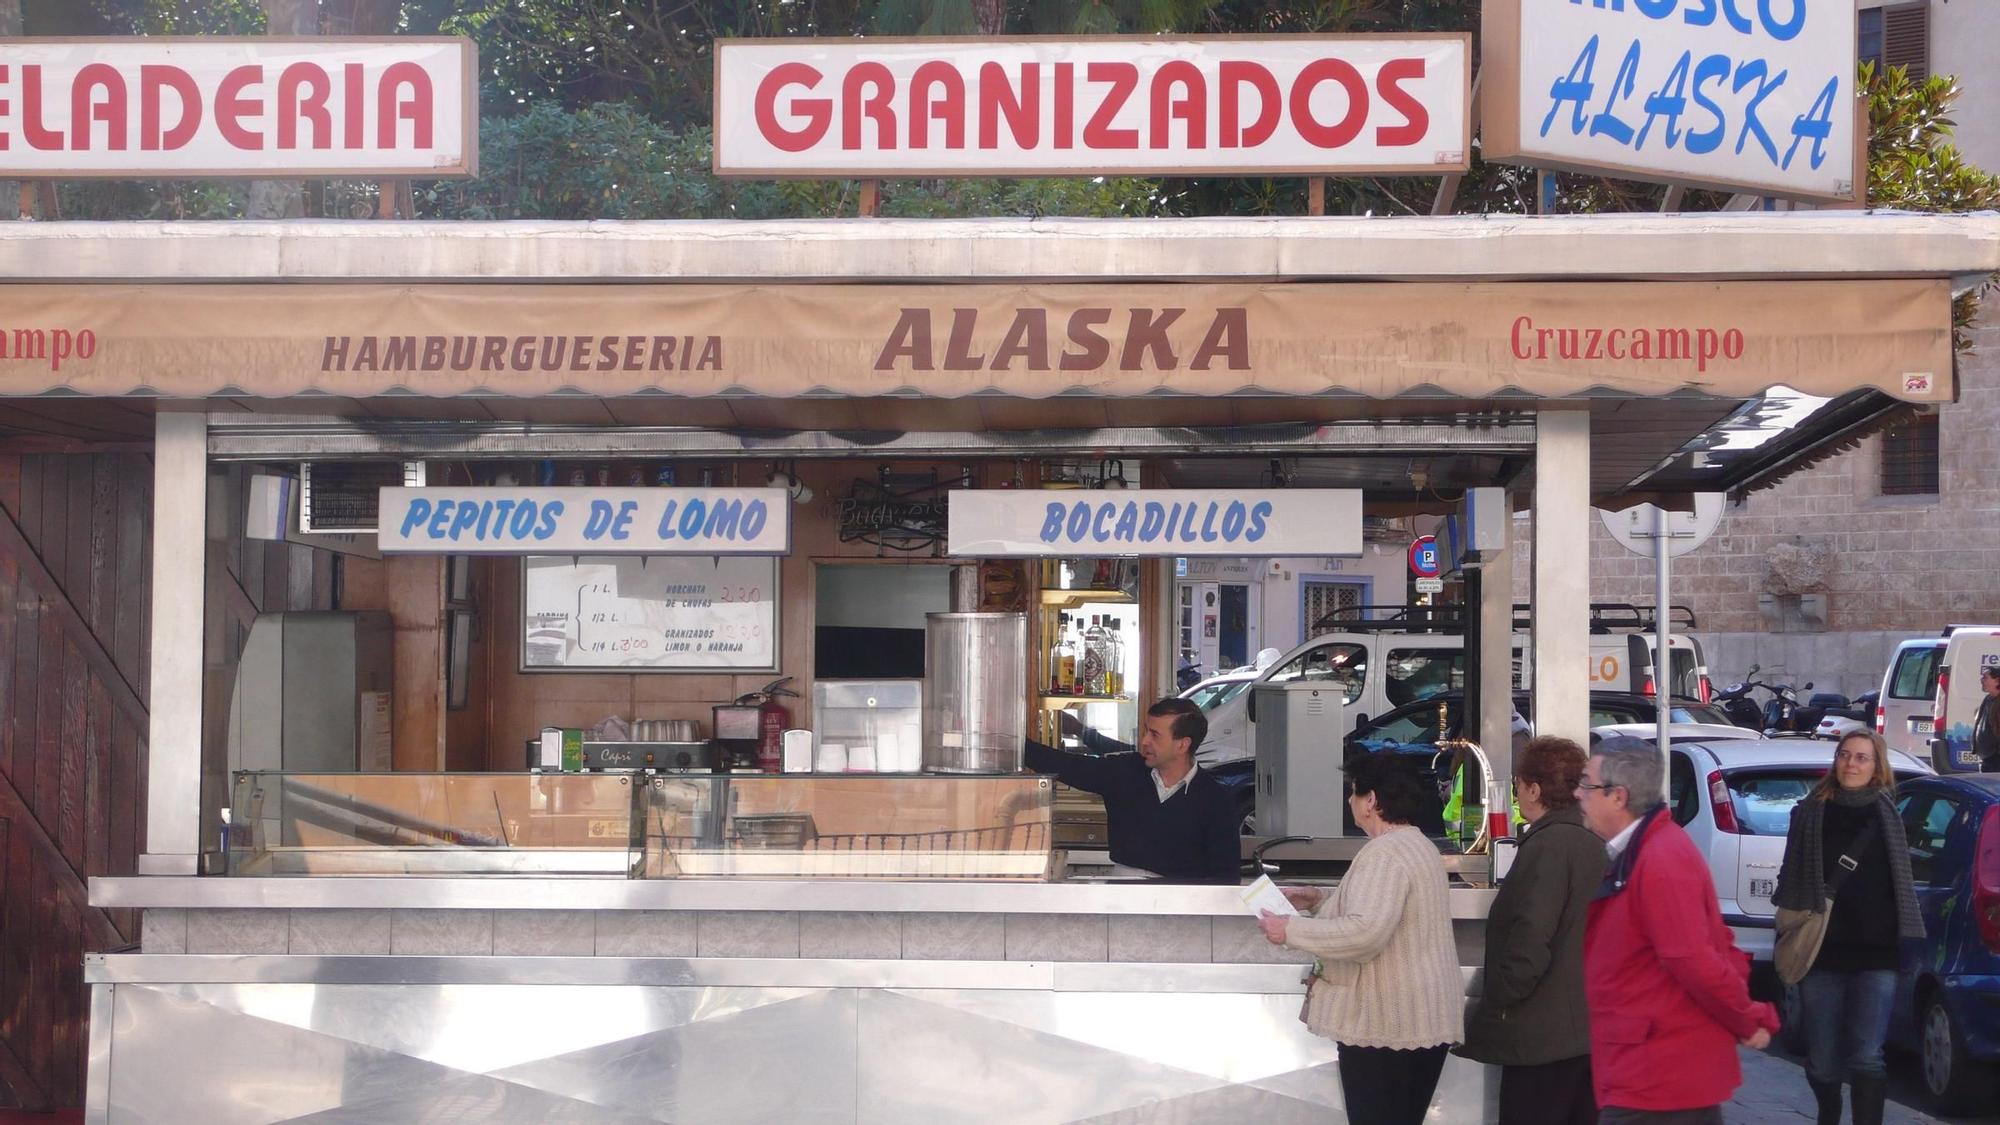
<point>1385,984</point>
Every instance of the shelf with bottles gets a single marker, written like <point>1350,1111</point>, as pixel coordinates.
<point>1072,599</point>
<point>1062,702</point>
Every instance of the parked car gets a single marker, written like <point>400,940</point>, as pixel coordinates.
<point>1967,650</point>
<point>1216,690</point>
<point>1417,723</point>
<point>1906,707</point>
<point>1948,1011</point>
<point>1678,732</point>
<point>1213,691</point>
<point>1734,797</point>
<point>1377,672</point>
<point>1381,670</point>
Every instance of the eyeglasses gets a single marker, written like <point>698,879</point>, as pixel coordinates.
<point>1581,786</point>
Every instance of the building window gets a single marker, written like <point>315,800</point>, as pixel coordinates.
<point>1868,38</point>
<point>1910,458</point>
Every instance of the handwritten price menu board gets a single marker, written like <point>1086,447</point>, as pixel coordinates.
<point>679,613</point>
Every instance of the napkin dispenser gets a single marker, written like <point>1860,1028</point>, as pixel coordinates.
<point>796,748</point>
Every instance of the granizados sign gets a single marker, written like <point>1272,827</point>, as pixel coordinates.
<point>406,105</point>
<point>1737,94</point>
<point>1307,104</point>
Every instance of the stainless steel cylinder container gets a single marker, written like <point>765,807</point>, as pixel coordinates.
<point>975,692</point>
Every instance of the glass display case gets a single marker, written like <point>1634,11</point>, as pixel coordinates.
<point>642,825</point>
<point>432,824</point>
<point>852,827</point>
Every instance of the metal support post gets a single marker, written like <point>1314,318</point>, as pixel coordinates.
<point>173,740</point>
<point>1495,608</point>
<point>1663,635</point>
<point>1562,574</point>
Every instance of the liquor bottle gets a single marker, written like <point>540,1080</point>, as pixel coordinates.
<point>1114,666</point>
<point>1062,660</point>
<point>1095,650</point>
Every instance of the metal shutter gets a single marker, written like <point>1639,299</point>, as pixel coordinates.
<point>1906,39</point>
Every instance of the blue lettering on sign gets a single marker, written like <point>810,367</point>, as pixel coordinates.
<point>550,511</point>
<point>1732,89</point>
<point>599,521</point>
<point>418,511</point>
<point>513,520</point>
<point>1135,523</point>
<point>1258,517</point>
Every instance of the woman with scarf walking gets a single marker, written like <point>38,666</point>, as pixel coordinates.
<point>1846,856</point>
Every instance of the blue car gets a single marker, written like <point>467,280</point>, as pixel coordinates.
<point>1948,1011</point>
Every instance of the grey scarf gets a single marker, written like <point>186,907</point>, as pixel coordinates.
<point>1802,879</point>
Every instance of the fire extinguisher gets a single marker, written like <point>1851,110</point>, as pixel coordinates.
<point>773,720</point>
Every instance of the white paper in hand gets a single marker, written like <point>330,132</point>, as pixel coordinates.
<point>1262,895</point>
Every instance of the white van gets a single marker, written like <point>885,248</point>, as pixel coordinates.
<point>1381,671</point>
<point>1906,707</point>
<point>1967,649</point>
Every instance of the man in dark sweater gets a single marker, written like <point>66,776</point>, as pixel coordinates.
<point>1165,815</point>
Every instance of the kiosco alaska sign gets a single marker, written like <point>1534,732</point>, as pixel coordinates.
<point>1755,95</point>
<point>238,107</point>
<point>1304,104</point>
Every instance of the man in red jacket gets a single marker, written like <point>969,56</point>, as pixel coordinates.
<point>1668,990</point>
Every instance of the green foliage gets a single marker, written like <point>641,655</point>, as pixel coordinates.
<point>653,55</point>
<point>602,162</point>
<point>612,162</point>
<point>1911,162</point>
<point>162,17</point>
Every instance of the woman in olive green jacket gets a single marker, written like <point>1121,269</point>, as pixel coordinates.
<point>1531,1018</point>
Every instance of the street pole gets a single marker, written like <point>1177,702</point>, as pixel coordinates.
<point>1663,631</point>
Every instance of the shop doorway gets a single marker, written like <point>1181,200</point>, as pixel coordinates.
<point>1232,642</point>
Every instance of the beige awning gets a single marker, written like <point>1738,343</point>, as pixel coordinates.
<point>1728,339</point>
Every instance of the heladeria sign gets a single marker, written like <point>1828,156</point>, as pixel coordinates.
<point>1304,104</point>
<point>1157,523</point>
<point>1751,95</point>
<point>406,105</point>
<point>580,521</point>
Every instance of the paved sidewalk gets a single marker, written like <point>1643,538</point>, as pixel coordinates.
<point>1774,1090</point>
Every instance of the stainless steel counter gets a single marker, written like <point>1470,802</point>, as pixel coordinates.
<point>845,895</point>
<point>620,1000</point>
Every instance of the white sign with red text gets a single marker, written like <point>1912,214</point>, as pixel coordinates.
<point>238,107</point>
<point>1298,104</point>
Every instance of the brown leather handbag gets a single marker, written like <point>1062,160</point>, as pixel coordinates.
<point>1802,932</point>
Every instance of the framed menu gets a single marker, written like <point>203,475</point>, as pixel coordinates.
<point>649,613</point>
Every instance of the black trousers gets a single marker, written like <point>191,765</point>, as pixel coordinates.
<point>1557,1093</point>
<point>1384,1086</point>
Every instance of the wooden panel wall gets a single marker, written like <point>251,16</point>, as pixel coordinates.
<point>410,588</point>
<point>75,599</point>
<point>74,563</point>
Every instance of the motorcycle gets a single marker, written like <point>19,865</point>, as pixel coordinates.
<point>1852,716</point>
<point>1736,703</point>
<point>1783,714</point>
<point>1778,716</point>
<point>1188,674</point>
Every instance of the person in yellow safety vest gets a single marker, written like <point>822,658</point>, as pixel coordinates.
<point>1462,820</point>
